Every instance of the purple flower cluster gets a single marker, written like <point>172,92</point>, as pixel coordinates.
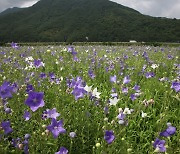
<point>91,74</point>
<point>158,144</point>
<point>150,75</point>
<point>29,88</point>
<point>22,143</point>
<point>78,87</point>
<point>38,63</point>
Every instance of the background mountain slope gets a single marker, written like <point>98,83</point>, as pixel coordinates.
<point>73,20</point>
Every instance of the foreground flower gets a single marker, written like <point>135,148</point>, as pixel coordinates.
<point>6,127</point>
<point>62,150</point>
<point>56,127</point>
<point>169,131</point>
<point>35,100</point>
<point>159,145</point>
<point>109,136</point>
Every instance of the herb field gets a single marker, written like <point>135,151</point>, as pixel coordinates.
<point>89,99</point>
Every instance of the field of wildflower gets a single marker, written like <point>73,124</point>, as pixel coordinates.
<point>89,99</point>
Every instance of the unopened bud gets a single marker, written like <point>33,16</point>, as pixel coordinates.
<point>98,145</point>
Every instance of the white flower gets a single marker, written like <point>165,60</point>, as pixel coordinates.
<point>143,115</point>
<point>88,88</point>
<point>121,122</point>
<point>29,58</point>
<point>154,66</point>
<point>120,110</point>
<point>127,111</point>
<point>95,93</point>
<point>113,101</point>
<point>64,49</point>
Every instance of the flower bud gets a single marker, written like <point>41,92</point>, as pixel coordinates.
<point>98,145</point>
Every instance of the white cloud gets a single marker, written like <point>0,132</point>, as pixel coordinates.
<point>158,8</point>
<point>4,4</point>
<point>29,3</point>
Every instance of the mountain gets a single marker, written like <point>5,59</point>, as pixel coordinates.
<point>73,20</point>
<point>11,10</point>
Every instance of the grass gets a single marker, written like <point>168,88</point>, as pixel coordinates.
<point>86,116</point>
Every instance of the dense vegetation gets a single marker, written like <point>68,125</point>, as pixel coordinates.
<point>112,100</point>
<point>73,20</point>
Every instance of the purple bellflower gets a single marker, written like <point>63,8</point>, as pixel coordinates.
<point>35,100</point>
<point>176,86</point>
<point>50,114</point>
<point>62,150</point>
<point>26,115</point>
<point>149,75</point>
<point>113,78</point>
<point>5,90</point>
<point>14,45</point>
<point>6,127</point>
<point>169,131</point>
<point>126,80</point>
<point>56,128</point>
<point>159,145</point>
<point>109,136</point>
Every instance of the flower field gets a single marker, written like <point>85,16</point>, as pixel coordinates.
<point>89,99</point>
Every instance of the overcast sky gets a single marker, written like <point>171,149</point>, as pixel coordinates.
<point>158,8</point>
